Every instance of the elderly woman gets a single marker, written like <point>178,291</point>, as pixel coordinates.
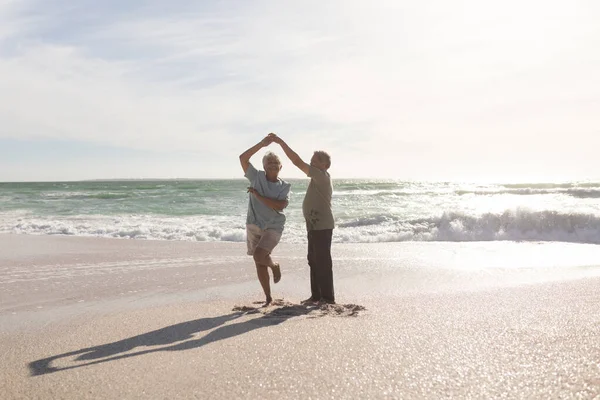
<point>269,195</point>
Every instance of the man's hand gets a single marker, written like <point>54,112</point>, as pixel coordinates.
<point>252,190</point>
<point>267,140</point>
<point>275,138</point>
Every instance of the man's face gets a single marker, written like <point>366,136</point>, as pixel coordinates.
<point>315,161</point>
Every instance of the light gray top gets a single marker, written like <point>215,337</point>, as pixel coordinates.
<point>259,213</point>
<point>317,202</point>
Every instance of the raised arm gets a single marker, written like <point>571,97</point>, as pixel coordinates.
<point>291,154</point>
<point>245,156</point>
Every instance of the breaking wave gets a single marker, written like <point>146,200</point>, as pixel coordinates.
<point>512,225</point>
<point>516,225</point>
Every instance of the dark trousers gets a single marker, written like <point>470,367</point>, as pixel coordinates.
<point>319,260</point>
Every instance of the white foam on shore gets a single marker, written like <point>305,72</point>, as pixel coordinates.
<point>510,225</point>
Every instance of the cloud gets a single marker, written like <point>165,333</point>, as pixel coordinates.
<point>212,77</point>
<point>230,82</point>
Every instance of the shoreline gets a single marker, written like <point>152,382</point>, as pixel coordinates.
<point>52,271</point>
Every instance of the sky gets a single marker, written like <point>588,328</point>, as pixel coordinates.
<point>414,90</point>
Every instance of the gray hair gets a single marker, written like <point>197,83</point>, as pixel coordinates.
<point>324,157</point>
<point>270,156</point>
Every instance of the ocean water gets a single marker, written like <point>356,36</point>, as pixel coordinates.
<point>365,210</point>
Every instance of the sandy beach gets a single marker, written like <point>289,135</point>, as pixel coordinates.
<point>90,318</point>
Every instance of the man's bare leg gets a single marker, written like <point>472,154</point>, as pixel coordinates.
<point>263,257</point>
<point>262,271</point>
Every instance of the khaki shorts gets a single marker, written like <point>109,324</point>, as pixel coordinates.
<point>265,239</point>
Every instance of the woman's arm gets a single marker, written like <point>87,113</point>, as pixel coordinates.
<point>245,156</point>
<point>278,205</point>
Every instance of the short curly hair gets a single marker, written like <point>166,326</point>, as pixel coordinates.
<point>270,156</point>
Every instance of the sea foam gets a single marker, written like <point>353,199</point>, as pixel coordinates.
<point>457,226</point>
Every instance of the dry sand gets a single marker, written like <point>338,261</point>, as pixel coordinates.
<point>101,319</point>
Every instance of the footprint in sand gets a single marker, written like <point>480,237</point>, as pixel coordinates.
<point>282,308</point>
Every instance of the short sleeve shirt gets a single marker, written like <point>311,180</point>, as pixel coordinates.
<point>317,201</point>
<point>259,213</point>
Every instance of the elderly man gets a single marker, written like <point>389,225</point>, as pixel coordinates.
<point>269,196</point>
<point>319,220</point>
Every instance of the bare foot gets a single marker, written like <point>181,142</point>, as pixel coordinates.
<point>276,273</point>
<point>268,301</point>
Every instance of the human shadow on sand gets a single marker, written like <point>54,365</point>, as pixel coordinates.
<point>177,336</point>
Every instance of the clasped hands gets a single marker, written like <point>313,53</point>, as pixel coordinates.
<point>270,138</point>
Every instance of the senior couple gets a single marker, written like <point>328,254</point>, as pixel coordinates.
<point>268,197</point>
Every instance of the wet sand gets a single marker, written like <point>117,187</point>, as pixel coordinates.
<point>87,318</point>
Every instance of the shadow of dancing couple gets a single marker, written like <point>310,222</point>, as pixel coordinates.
<point>171,338</point>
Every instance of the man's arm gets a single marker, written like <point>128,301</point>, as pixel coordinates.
<point>291,154</point>
<point>278,205</point>
<point>245,156</point>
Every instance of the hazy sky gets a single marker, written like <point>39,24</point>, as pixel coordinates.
<point>428,89</point>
